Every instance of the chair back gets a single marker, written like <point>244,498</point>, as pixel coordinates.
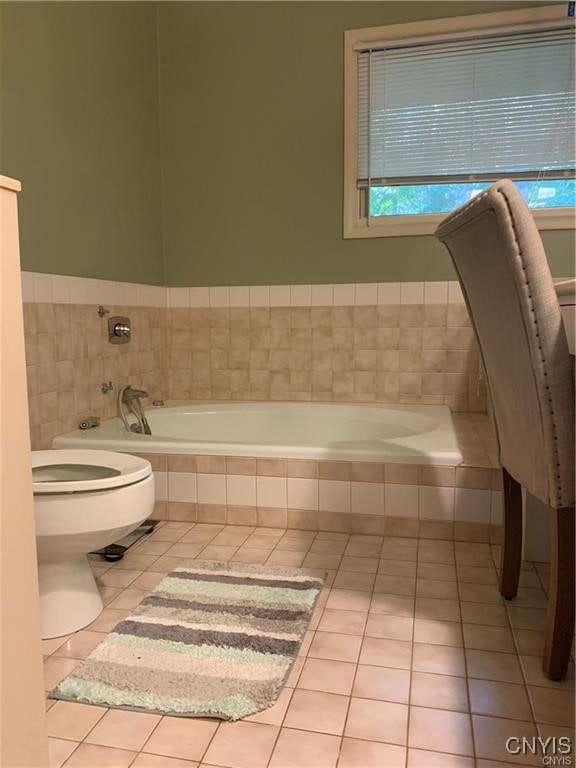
<point>507,286</point>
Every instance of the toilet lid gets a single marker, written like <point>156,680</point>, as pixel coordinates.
<point>82,470</point>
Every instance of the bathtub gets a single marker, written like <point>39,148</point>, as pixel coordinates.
<point>411,434</point>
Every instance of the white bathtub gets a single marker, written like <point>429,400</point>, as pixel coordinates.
<point>412,434</point>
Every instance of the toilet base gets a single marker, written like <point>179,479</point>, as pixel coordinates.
<point>69,596</point>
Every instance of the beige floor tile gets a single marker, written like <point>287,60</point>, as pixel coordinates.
<point>69,720</point>
<point>299,749</point>
<point>435,608</point>
<point>352,580</point>
<point>476,559</point>
<point>146,760</point>
<point>386,653</point>
<point>185,549</point>
<point>437,572</point>
<point>212,552</point>
<point>389,627</point>
<point>527,618</point>
<point>499,699</point>
<point>122,729</point>
<point>377,721</point>
<point>80,644</point>
<point>251,555</point>
<point>181,737</point>
<point>356,753</point>
<point>483,613</point>
<point>437,632</point>
<point>336,646</point>
<point>390,552</point>
<point>328,546</point>
<point>445,590</point>
<point>484,638</point>
<point>317,711</point>
<point>421,758</point>
<point>529,597</point>
<point>56,669</point>
<point>395,585</point>
<point>480,593</point>
<point>552,706</point>
<point>53,643</point>
<point>532,667</point>
<point>169,535</point>
<point>442,731</point>
<point>439,691</point>
<point>316,560</point>
<point>285,557</point>
<point>438,659</point>
<point>401,542</point>
<point>395,605</point>
<point>59,750</point>
<point>197,537</point>
<point>91,756</point>
<point>147,581</point>
<point>488,665</point>
<point>529,642</point>
<point>108,593</point>
<point>439,558</point>
<point>295,672</point>
<point>107,620</point>
<point>362,549</point>
<point>492,733</point>
<point>165,564</point>
<point>273,715</point>
<point>359,564</point>
<point>327,676</point>
<point>263,541</point>
<point>293,545</point>
<point>382,684</point>
<point>116,578</point>
<point>468,574</point>
<point>151,547</point>
<point>242,745</point>
<point>128,599</point>
<point>347,622</point>
<point>349,600</point>
<point>397,568</point>
<point>229,538</point>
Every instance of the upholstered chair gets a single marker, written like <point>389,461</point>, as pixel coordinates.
<point>505,278</point>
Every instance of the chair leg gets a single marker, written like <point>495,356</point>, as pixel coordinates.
<point>560,622</point>
<point>512,546</point>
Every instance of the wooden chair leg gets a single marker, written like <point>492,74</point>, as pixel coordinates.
<point>512,546</point>
<point>560,623</point>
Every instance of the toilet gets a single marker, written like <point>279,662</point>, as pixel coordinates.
<point>83,501</point>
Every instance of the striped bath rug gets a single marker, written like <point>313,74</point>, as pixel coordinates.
<point>213,640</point>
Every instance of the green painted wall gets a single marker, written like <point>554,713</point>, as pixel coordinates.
<point>79,103</point>
<point>251,130</point>
<point>100,101</point>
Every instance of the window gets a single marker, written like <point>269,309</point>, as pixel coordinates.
<point>437,111</point>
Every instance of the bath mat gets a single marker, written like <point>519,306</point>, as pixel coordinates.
<point>213,640</point>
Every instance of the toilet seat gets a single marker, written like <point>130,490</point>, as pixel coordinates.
<point>81,470</point>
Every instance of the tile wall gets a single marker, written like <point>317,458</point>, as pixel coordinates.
<point>390,342</point>
<point>69,357</point>
<point>455,502</point>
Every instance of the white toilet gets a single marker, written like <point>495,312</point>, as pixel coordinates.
<point>83,500</point>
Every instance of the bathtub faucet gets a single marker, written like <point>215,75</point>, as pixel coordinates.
<point>129,399</point>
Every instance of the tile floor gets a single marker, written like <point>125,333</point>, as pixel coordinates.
<point>412,660</point>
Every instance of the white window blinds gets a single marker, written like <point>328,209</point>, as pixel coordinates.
<point>474,108</point>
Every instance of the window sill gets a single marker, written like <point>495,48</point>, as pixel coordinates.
<point>403,226</point>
